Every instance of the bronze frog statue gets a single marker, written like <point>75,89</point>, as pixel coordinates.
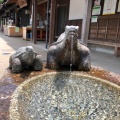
<point>69,50</point>
<point>25,58</point>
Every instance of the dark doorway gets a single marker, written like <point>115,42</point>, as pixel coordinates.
<point>62,16</point>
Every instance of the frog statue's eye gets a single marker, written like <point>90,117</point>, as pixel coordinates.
<point>67,28</point>
<point>77,28</point>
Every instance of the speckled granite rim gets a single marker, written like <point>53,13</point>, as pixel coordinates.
<point>14,114</point>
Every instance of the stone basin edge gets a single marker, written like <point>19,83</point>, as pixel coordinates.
<point>13,104</point>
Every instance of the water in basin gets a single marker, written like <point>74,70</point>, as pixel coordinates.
<point>65,96</point>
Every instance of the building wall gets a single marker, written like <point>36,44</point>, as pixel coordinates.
<point>42,11</point>
<point>23,15</point>
<point>23,19</point>
<point>76,9</point>
<point>72,20</point>
<point>107,27</point>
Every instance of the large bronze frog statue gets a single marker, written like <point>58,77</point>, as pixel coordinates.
<point>68,50</point>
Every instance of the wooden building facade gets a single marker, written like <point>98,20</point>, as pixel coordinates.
<point>15,10</point>
<point>60,11</point>
<point>102,27</point>
<point>105,30</point>
<point>62,17</point>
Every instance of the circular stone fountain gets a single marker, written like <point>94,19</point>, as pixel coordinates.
<point>65,96</point>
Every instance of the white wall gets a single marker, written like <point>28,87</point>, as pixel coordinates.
<point>76,10</point>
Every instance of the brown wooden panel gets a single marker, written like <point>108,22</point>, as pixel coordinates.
<point>101,31</point>
<point>73,22</point>
<point>79,23</point>
<point>119,32</point>
<point>102,23</point>
<point>63,2</point>
<point>112,31</point>
<point>111,37</point>
<point>93,25</point>
<point>114,16</point>
<point>68,22</point>
<point>107,27</point>
<point>112,23</point>
<point>118,40</point>
<point>92,36</point>
<point>118,36</point>
<point>101,36</point>
<point>93,31</point>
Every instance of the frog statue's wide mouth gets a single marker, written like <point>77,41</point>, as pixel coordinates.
<point>71,37</point>
<point>30,52</point>
<point>65,95</point>
<point>73,33</point>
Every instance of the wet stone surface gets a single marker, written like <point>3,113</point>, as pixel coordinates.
<point>6,90</point>
<point>64,96</point>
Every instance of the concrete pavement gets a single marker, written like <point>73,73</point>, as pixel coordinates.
<point>106,61</point>
<point>9,45</point>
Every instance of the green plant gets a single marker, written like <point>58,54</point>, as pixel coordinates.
<point>1,1</point>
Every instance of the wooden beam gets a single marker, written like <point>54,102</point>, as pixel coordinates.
<point>104,43</point>
<point>117,29</point>
<point>10,1</point>
<point>106,29</point>
<point>42,1</point>
<point>115,45</point>
<point>52,22</point>
<point>86,21</point>
<point>47,26</point>
<point>34,21</point>
<point>32,11</point>
<point>21,3</point>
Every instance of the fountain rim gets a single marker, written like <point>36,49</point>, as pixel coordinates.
<point>19,89</point>
<point>74,73</point>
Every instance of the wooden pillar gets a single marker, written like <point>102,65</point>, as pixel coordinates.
<point>47,26</point>
<point>14,16</point>
<point>2,24</point>
<point>86,21</point>
<point>34,21</point>
<point>52,22</point>
<point>117,51</point>
<point>16,20</point>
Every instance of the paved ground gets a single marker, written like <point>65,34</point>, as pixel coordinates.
<point>106,61</point>
<point>9,45</point>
